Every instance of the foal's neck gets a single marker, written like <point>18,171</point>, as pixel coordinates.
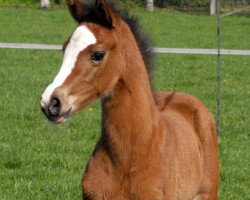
<point>129,115</point>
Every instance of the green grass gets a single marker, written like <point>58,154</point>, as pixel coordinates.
<point>39,160</point>
<point>169,29</point>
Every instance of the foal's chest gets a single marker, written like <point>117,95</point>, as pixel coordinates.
<point>102,181</point>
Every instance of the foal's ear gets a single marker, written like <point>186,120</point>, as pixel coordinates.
<point>94,11</point>
<point>76,8</point>
<point>102,11</point>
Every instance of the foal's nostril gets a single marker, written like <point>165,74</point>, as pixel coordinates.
<point>54,107</point>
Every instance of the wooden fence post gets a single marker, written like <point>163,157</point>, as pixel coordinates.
<point>150,5</point>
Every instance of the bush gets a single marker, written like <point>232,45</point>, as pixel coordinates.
<point>27,2</point>
<point>19,1</point>
<point>184,4</point>
<point>127,3</point>
<point>196,5</point>
<point>199,5</point>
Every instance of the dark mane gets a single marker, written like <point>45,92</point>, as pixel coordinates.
<point>143,40</point>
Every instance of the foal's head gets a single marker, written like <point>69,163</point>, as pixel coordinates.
<point>94,59</point>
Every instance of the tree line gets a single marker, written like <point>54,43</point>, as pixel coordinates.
<point>195,5</point>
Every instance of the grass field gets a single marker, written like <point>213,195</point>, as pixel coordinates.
<point>39,160</point>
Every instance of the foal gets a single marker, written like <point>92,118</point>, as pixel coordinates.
<point>159,146</point>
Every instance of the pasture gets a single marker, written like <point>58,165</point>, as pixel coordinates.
<point>39,160</point>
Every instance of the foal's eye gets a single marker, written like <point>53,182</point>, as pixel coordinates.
<point>97,56</point>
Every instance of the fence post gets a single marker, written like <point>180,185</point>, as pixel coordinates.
<point>149,5</point>
<point>212,7</point>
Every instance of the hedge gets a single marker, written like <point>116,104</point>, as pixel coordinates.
<point>201,5</point>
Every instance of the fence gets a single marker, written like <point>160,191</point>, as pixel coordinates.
<point>156,49</point>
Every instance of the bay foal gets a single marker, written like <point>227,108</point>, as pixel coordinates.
<point>160,146</point>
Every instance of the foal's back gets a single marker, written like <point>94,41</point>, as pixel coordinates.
<point>192,140</point>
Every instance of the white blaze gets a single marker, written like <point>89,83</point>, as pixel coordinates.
<point>80,40</point>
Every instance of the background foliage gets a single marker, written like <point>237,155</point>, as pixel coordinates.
<point>197,3</point>
<point>193,5</point>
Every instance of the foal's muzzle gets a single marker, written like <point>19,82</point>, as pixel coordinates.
<point>53,109</point>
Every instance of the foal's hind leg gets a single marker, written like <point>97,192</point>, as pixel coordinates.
<point>212,195</point>
<point>209,196</point>
<point>210,184</point>
<point>208,137</point>
<point>204,197</point>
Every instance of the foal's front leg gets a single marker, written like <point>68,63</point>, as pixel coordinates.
<point>144,188</point>
<point>99,182</point>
